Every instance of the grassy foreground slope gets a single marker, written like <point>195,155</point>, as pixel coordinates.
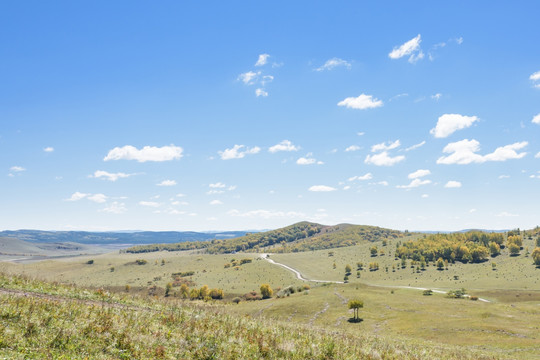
<point>302,236</point>
<point>41,320</point>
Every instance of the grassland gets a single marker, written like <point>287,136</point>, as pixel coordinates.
<point>397,322</point>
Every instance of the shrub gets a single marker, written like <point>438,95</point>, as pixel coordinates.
<point>141,262</point>
<point>266,291</point>
<point>514,249</point>
<point>90,262</point>
<point>236,300</point>
<point>474,298</point>
<point>428,292</point>
<point>251,296</point>
<point>536,256</point>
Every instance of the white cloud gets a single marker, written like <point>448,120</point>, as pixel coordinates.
<point>249,77</point>
<point>425,196</point>
<point>285,145</point>
<point>305,161</point>
<point>415,146</point>
<point>98,198</point>
<point>150,204</point>
<point>436,96</point>
<point>214,192</point>
<point>383,183</point>
<point>385,147</point>
<point>266,214</point>
<point>115,208</point>
<point>321,188</point>
<point>48,149</point>
<point>450,123</point>
<point>536,119</point>
<point>167,183</point>
<point>180,195</point>
<point>77,196</point>
<point>237,153</point>
<point>535,78</point>
<point>109,176</point>
<point>261,92</point>
<point>411,47</point>
<point>217,185</point>
<point>262,60</point>
<point>414,183</point>
<point>353,148</point>
<point>465,152</point>
<point>147,153</point>
<point>537,155</point>
<point>347,187</point>
<point>333,63</point>
<point>504,176</point>
<point>383,159</point>
<point>360,133</point>
<point>506,214</point>
<point>216,202</point>
<point>361,102</point>
<point>17,169</point>
<point>452,184</point>
<point>419,173</point>
<point>367,176</point>
<point>472,211</point>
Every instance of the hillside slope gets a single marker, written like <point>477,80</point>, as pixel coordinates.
<point>302,236</point>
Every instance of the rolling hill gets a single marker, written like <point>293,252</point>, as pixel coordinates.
<point>302,236</point>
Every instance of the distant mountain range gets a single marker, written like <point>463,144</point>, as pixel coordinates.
<point>119,238</point>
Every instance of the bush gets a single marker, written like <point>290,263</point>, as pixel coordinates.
<point>236,300</point>
<point>90,262</point>
<point>428,292</point>
<point>266,291</point>
<point>251,296</point>
<point>474,298</point>
<point>141,262</point>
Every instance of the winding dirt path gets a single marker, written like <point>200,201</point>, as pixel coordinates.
<point>296,272</point>
<point>300,277</point>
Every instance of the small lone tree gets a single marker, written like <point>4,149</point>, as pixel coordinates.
<point>348,269</point>
<point>266,291</point>
<point>356,304</point>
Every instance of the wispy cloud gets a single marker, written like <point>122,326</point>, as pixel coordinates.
<point>238,152</point>
<point>266,214</point>
<point>48,149</point>
<point>334,63</point>
<point>419,173</point>
<point>101,174</point>
<point>262,60</point>
<point>447,124</point>
<point>383,159</point>
<point>410,48</point>
<point>536,119</point>
<point>115,208</point>
<point>17,169</point>
<point>352,148</point>
<point>535,78</point>
<point>308,160</point>
<point>414,183</point>
<point>167,183</point>
<point>147,153</point>
<point>361,102</point>
<point>150,204</point>
<point>415,146</point>
<point>367,176</point>
<point>385,146</point>
<point>452,184</point>
<point>321,188</point>
<point>285,145</point>
<point>466,152</point>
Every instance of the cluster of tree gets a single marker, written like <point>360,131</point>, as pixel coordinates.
<point>235,263</point>
<point>373,266</point>
<point>473,246</point>
<point>204,293</point>
<point>536,256</point>
<point>182,246</point>
<point>183,273</point>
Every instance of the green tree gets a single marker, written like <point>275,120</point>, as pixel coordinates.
<point>356,304</point>
<point>494,249</point>
<point>536,256</point>
<point>514,249</point>
<point>266,291</point>
<point>348,269</point>
<point>373,251</point>
<point>440,264</point>
<point>168,289</point>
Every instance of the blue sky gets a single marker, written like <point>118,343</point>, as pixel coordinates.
<point>250,115</point>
